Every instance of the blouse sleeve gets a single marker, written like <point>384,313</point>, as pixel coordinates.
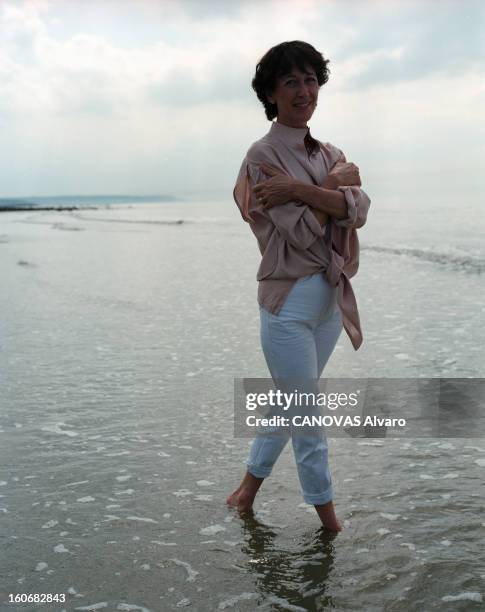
<point>294,221</point>
<point>358,203</point>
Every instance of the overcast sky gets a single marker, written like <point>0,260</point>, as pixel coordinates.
<point>145,97</point>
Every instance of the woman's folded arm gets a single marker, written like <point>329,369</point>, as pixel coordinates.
<point>294,221</point>
<point>347,204</point>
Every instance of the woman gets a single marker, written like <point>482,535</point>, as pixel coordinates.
<point>304,204</point>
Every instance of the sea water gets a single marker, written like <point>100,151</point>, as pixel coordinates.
<point>122,331</point>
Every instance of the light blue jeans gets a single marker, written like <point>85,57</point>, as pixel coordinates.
<point>297,343</point>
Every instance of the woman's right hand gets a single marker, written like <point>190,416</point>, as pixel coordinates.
<point>342,174</point>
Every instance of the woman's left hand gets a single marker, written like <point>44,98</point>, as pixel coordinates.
<point>276,190</point>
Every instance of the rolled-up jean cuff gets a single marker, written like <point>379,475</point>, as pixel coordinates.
<point>258,472</point>
<point>320,499</point>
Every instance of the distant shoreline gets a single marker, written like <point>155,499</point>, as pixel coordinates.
<point>77,202</point>
<point>58,208</point>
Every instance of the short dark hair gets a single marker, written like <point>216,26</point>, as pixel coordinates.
<point>280,60</point>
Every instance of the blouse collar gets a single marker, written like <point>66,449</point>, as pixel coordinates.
<point>291,135</point>
<point>299,138</point>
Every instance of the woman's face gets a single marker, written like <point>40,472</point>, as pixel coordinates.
<point>296,96</point>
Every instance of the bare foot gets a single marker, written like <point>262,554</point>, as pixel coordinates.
<point>241,500</point>
<point>327,515</point>
<point>243,497</point>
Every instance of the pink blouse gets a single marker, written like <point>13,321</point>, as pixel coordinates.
<point>291,240</point>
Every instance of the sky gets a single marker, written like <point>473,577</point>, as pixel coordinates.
<point>154,97</point>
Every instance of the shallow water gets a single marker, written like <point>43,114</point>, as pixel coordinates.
<point>122,333</point>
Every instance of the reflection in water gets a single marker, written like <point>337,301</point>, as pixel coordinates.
<point>296,576</point>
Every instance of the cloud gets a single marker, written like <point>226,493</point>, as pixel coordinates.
<point>399,42</point>
<point>201,60</point>
<point>116,93</point>
<point>207,51</point>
